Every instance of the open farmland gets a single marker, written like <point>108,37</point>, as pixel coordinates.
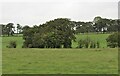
<point>60,61</point>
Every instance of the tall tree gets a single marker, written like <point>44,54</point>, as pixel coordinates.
<point>10,27</point>
<point>19,28</point>
<point>4,29</point>
<point>53,34</point>
<point>101,24</point>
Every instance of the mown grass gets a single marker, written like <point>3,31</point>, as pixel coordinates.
<point>60,61</point>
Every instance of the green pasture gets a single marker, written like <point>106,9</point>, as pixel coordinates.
<point>60,61</point>
<point>101,38</point>
<point>6,40</point>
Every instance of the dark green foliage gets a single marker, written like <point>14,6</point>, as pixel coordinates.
<point>99,25</point>
<point>30,46</point>
<point>12,44</point>
<point>84,27</point>
<point>8,29</point>
<point>53,34</point>
<point>59,33</point>
<point>113,40</point>
<point>27,36</point>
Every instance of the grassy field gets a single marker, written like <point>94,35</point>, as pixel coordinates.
<point>97,37</point>
<point>60,61</point>
<point>6,40</point>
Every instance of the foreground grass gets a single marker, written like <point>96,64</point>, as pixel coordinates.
<point>60,61</point>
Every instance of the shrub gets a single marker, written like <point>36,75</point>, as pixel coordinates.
<point>12,44</point>
<point>113,40</point>
<point>30,46</point>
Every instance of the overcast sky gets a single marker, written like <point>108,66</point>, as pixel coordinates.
<point>38,12</point>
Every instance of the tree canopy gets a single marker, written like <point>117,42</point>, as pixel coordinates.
<point>56,33</point>
<point>113,40</point>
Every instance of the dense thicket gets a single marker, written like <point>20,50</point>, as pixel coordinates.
<point>113,40</point>
<point>99,25</point>
<point>56,33</point>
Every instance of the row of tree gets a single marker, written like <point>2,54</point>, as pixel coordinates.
<point>99,25</point>
<point>113,41</point>
<point>59,33</point>
<point>9,29</point>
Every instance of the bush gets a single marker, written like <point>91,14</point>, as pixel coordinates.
<point>12,44</point>
<point>30,46</point>
<point>113,40</point>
